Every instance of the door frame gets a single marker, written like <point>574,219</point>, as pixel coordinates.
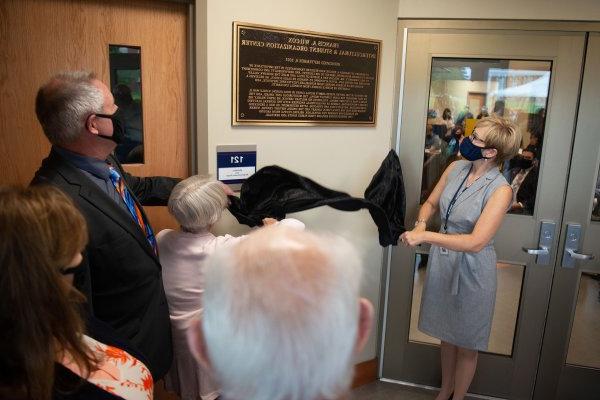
<point>401,50</point>
<point>559,331</point>
<point>197,88</point>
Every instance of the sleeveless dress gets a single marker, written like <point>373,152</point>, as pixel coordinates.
<point>119,373</point>
<point>460,288</point>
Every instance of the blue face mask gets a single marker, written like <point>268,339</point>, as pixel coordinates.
<point>471,152</point>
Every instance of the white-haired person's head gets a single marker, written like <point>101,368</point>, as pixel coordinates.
<point>198,202</point>
<point>282,316</point>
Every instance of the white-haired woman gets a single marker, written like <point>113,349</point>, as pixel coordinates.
<point>197,204</point>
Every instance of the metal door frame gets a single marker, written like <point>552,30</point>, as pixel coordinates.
<point>402,37</point>
<point>557,331</point>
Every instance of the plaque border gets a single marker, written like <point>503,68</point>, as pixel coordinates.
<point>237,25</point>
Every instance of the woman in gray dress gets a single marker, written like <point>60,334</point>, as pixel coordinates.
<point>458,299</point>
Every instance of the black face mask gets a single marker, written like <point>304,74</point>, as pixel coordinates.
<point>522,163</point>
<point>470,151</point>
<point>70,270</point>
<point>118,127</point>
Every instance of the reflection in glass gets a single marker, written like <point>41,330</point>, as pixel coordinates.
<point>596,201</point>
<point>465,90</point>
<point>584,346</point>
<point>126,86</point>
<point>506,309</point>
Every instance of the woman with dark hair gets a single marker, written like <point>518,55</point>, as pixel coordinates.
<point>447,118</point>
<point>45,353</point>
<point>447,114</point>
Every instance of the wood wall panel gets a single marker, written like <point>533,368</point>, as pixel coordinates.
<point>365,372</point>
<point>41,37</point>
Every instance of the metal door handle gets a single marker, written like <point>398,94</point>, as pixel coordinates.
<point>572,240</point>
<point>542,251</point>
<point>579,256</point>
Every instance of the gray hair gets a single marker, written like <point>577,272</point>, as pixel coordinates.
<point>63,104</point>
<point>197,202</point>
<point>280,315</point>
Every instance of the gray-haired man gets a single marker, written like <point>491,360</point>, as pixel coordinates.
<point>121,274</point>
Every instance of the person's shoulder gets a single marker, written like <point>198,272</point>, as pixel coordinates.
<point>455,166</point>
<point>226,239</point>
<point>58,172</point>
<point>502,188</point>
<point>498,180</point>
<point>499,187</point>
<point>461,163</point>
<point>49,170</point>
<point>54,177</point>
<point>217,242</point>
<point>165,234</point>
<point>502,181</point>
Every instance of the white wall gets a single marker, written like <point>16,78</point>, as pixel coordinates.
<point>342,158</point>
<point>581,10</point>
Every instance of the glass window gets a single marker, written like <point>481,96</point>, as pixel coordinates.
<point>584,346</point>
<point>126,85</point>
<point>462,91</point>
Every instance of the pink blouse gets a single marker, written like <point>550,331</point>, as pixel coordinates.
<point>183,256</point>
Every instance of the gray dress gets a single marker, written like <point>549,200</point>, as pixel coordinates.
<point>460,288</point>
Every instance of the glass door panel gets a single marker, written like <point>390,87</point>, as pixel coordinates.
<point>462,91</point>
<point>506,309</point>
<point>584,346</point>
<point>570,359</point>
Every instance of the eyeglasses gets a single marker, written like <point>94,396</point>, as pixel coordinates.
<point>475,137</point>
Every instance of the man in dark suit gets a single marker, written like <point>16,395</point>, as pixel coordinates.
<point>524,178</point>
<point>121,274</point>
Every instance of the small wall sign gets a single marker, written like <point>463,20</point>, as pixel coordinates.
<point>235,163</point>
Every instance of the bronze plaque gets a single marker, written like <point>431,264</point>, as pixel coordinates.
<point>286,77</point>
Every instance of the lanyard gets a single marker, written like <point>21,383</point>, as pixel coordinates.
<point>454,198</point>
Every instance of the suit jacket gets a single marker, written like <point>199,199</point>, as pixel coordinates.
<point>120,274</point>
<point>527,190</point>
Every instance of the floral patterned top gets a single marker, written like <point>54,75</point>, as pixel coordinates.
<point>118,372</point>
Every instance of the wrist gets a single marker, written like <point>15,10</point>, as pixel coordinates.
<point>420,222</point>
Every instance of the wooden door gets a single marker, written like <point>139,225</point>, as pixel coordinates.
<point>42,37</point>
<point>476,102</point>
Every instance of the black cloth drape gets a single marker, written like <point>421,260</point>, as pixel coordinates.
<point>274,191</point>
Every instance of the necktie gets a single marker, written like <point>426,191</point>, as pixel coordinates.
<point>134,210</point>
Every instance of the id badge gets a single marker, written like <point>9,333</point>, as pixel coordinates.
<point>444,251</point>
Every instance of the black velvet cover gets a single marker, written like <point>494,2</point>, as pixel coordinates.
<point>274,191</point>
